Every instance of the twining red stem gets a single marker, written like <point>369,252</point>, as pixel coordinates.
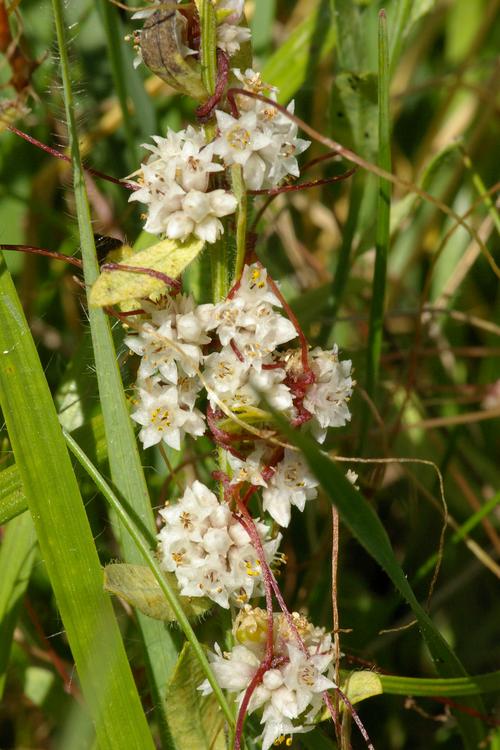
<point>304,185</point>
<point>41,251</point>
<point>248,524</point>
<point>64,157</point>
<point>174,283</point>
<point>204,111</point>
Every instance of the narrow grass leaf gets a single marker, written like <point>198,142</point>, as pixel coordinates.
<point>12,499</point>
<point>382,237</point>
<point>459,686</point>
<point>143,547</point>
<point>63,532</point>
<point>17,553</point>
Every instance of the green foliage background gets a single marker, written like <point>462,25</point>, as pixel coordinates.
<point>434,385</point>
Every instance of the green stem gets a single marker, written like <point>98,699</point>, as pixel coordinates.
<point>473,685</point>
<point>239,190</point>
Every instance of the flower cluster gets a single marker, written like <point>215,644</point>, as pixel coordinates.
<point>231,350</point>
<point>178,181</point>
<point>174,185</point>
<point>208,549</point>
<point>291,689</point>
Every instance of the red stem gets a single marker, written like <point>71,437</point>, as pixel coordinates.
<point>59,155</point>
<point>204,111</point>
<point>304,185</point>
<point>174,283</point>
<point>41,251</point>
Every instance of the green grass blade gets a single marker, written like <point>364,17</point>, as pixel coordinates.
<point>287,68</point>
<point>363,522</point>
<point>382,238</point>
<point>148,556</point>
<point>17,553</point>
<point>64,535</point>
<point>12,498</point>
<point>460,686</point>
<point>124,459</point>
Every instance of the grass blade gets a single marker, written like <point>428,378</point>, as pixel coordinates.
<point>382,238</point>
<point>287,68</point>
<point>64,534</point>
<point>124,460</point>
<point>16,560</point>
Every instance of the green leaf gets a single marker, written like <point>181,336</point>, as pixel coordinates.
<point>382,234</point>
<point>458,686</point>
<point>12,498</point>
<point>161,53</point>
<point>287,68</point>
<point>139,587</point>
<point>194,720</point>
<point>17,553</point>
<point>64,534</point>
<point>353,112</point>
<point>169,257</point>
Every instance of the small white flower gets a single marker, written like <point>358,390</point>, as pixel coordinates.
<point>174,183</point>
<point>239,142</point>
<point>250,469</point>
<point>327,399</point>
<point>163,418</point>
<point>291,484</point>
<point>208,549</point>
<point>231,37</point>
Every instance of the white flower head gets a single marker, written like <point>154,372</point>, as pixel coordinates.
<point>174,185</point>
<point>208,549</point>
<point>163,417</point>
<point>291,484</point>
<point>290,694</point>
<point>239,142</point>
<point>328,397</point>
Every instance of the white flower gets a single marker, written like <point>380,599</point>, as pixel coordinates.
<point>170,339</point>
<point>199,215</point>
<point>239,142</point>
<point>174,183</point>
<point>290,694</point>
<point>291,484</point>
<point>327,399</point>
<point>224,373</point>
<point>250,469</point>
<point>163,418</point>
<point>231,37</point>
<point>208,549</point>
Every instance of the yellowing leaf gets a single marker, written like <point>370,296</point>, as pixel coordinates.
<point>195,721</point>
<point>362,685</point>
<point>162,53</point>
<point>169,257</point>
<point>138,586</point>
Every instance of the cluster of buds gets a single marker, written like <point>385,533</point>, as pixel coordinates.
<point>223,368</point>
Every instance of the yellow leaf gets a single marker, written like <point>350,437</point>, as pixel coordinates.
<point>138,586</point>
<point>169,257</point>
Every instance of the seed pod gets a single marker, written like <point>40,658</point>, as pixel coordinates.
<point>161,49</point>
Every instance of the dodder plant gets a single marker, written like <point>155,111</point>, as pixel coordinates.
<point>236,371</point>
<point>219,367</point>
